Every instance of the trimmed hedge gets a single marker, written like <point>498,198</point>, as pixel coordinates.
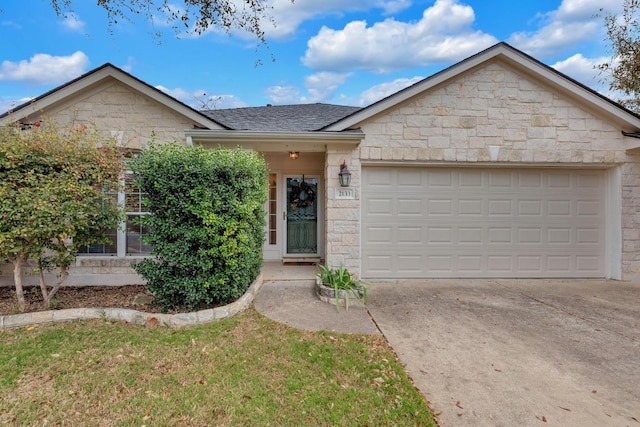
<point>206,224</point>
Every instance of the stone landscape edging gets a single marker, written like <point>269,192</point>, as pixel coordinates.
<point>135,317</point>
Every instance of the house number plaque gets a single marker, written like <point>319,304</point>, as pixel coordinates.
<point>345,193</point>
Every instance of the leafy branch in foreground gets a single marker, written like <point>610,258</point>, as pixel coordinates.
<point>195,16</point>
<point>623,69</point>
<point>53,184</point>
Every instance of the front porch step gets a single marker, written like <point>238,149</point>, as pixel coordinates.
<point>301,260</point>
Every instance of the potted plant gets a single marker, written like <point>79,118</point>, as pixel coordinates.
<point>339,286</point>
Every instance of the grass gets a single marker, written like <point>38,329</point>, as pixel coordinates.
<point>245,370</point>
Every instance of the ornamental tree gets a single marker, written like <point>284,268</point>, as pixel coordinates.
<point>206,224</point>
<point>53,183</point>
<point>623,69</point>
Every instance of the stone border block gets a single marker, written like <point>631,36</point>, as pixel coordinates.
<point>133,316</point>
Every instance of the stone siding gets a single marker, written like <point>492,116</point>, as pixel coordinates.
<point>342,217</point>
<point>531,124</point>
<point>115,107</point>
<point>85,271</point>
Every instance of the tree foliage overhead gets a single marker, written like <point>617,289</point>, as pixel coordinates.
<point>192,15</point>
<point>622,72</point>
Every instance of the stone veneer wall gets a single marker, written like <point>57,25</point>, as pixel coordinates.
<point>85,271</point>
<point>495,106</point>
<point>342,217</point>
<point>113,106</point>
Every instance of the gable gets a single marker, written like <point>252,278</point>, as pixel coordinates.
<point>113,106</point>
<point>529,68</point>
<point>114,101</point>
<point>494,105</point>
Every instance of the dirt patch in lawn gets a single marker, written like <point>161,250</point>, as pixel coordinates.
<point>80,297</point>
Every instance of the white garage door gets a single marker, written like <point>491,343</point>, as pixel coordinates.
<point>465,222</point>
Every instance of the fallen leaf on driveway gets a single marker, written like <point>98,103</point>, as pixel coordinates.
<point>459,405</point>
<point>542,418</point>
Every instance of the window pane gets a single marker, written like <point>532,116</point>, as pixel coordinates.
<point>109,248</point>
<point>135,234</point>
<point>273,209</point>
<point>132,202</point>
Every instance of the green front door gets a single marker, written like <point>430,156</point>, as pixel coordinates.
<point>302,216</point>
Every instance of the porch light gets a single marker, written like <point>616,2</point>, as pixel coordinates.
<point>344,175</point>
<point>294,154</point>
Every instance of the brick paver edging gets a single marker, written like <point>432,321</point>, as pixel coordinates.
<point>133,316</point>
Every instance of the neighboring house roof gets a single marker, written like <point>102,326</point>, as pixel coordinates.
<point>527,65</point>
<point>106,71</point>
<point>281,118</point>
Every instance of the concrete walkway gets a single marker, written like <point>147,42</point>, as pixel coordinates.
<point>495,352</point>
<point>288,296</point>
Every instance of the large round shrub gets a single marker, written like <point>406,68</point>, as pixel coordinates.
<point>206,223</point>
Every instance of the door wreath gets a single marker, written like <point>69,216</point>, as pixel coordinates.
<point>302,196</point>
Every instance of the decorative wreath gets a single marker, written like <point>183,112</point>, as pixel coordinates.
<point>302,196</point>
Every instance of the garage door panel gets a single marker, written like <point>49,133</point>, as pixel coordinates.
<point>479,265</point>
<point>484,223</point>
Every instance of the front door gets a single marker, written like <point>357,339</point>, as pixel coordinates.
<point>301,216</point>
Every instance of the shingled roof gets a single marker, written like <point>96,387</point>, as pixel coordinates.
<point>281,118</point>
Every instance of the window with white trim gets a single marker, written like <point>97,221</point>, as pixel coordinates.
<point>127,239</point>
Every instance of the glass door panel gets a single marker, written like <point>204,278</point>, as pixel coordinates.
<point>302,216</point>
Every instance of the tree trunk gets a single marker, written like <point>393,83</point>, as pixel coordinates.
<point>17,280</point>
<point>43,284</point>
<point>64,273</point>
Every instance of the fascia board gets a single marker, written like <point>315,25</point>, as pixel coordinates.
<point>300,141</point>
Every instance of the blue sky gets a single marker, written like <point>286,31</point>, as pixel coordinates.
<point>350,52</point>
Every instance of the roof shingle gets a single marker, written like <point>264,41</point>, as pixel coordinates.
<point>283,118</point>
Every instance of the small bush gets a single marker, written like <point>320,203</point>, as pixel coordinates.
<point>206,224</point>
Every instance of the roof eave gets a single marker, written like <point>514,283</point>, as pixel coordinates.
<point>275,141</point>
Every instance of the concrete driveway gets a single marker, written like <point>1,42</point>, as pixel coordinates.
<point>518,352</point>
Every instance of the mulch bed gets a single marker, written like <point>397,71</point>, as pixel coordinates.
<point>77,297</point>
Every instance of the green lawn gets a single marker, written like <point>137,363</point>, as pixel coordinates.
<point>246,370</point>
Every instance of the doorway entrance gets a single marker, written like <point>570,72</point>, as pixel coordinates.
<point>301,217</point>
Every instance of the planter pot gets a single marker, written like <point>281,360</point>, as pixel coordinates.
<point>328,295</point>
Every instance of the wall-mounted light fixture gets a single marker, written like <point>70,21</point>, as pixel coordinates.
<point>344,176</point>
<point>294,154</point>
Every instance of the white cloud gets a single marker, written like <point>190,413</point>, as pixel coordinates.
<point>7,103</point>
<point>200,99</point>
<point>321,86</point>
<point>45,69</point>
<point>581,69</point>
<point>443,35</point>
<point>283,94</point>
<point>128,67</point>
<point>287,16</point>
<point>391,7</point>
<point>378,92</point>
<point>573,22</point>
<point>73,23</point>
